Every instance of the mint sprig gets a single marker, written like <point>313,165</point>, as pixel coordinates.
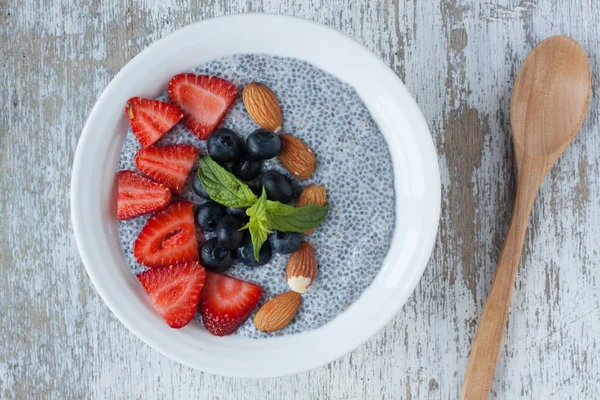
<point>224,188</point>
<point>291,219</point>
<point>258,223</point>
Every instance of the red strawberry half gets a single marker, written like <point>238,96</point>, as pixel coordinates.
<point>174,291</point>
<point>226,302</point>
<point>151,119</point>
<point>168,238</point>
<point>203,99</point>
<point>137,195</point>
<point>169,165</point>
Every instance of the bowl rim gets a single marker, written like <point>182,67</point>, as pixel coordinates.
<point>293,346</point>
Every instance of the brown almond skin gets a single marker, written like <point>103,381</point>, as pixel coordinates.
<point>302,264</point>
<point>297,157</point>
<point>263,106</point>
<point>312,194</point>
<point>278,312</point>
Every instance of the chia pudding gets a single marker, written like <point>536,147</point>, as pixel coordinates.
<point>353,162</point>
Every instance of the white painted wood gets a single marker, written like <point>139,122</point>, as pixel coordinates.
<point>458,58</point>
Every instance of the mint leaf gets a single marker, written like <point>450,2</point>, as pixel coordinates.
<point>291,219</point>
<point>222,186</point>
<point>258,223</point>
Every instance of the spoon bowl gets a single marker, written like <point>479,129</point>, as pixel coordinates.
<point>550,99</point>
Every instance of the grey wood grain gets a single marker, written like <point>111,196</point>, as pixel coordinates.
<point>458,58</point>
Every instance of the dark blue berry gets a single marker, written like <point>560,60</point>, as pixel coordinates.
<point>246,167</point>
<point>246,252</point>
<point>263,144</point>
<point>214,257</point>
<point>229,235</point>
<point>224,145</point>
<point>209,214</point>
<point>285,242</point>
<point>277,186</point>
<point>240,213</point>
<point>198,187</point>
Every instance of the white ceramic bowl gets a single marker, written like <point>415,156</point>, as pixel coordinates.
<point>416,180</point>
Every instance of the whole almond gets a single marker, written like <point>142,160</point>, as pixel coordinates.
<point>277,313</point>
<point>297,157</point>
<point>301,268</point>
<point>262,105</point>
<point>312,194</point>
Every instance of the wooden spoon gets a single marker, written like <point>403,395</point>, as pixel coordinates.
<point>549,102</point>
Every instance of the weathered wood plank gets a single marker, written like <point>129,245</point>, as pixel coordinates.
<point>457,57</point>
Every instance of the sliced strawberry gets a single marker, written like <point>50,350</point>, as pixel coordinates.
<point>174,291</point>
<point>203,99</point>
<point>137,195</point>
<point>226,302</point>
<point>151,119</point>
<point>169,165</point>
<point>168,238</point>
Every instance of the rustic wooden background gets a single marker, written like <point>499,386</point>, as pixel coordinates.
<point>458,58</point>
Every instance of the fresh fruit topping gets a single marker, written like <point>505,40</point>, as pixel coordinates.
<point>246,167</point>
<point>278,187</point>
<point>169,165</point>
<point>278,312</point>
<point>168,238</point>
<point>246,253</point>
<point>297,157</point>
<point>301,268</point>
<point>174,291</point>
<point>262,105</point>
<point>203,99</point>
<point>240,213</point>
<point>263,144</point>
<point>312,194</point>
<point>198,187</point>
<point>151,119</point>
<point>285,242</point>
<point>229,235</point>
<point>224,145</point>
<point>209,214</point>
<point>226,303</point>
<point>214,257</point>
<point>137,195</point>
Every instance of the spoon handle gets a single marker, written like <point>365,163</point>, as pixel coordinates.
<point>486,347</point>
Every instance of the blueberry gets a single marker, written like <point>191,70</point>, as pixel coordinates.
<point>246,252</point>
<point>246,168</point>
<point>228,232</point>
<point>199,188</point>
<point>240,213</point>
<point>255,187</point>
<point>224,145</point>
<point>263,144</point>
<point>214,257</point>
<point>285,242</point>
<point>209,214</point>
<point>277,186</point>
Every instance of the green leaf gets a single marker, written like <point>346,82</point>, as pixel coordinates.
<point>258,223</point>
<point>222,186</point>
<point>291,219</point>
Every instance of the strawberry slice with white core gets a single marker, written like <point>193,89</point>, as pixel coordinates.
<point>169,165</point>
<point>203,99</point>
<point>168,238</point>
<point>226,303</point>
<point>137,195</point>
<point>174,291</point>
<point>151,119</point>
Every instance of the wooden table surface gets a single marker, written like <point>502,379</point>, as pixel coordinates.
<point>458,58</point>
